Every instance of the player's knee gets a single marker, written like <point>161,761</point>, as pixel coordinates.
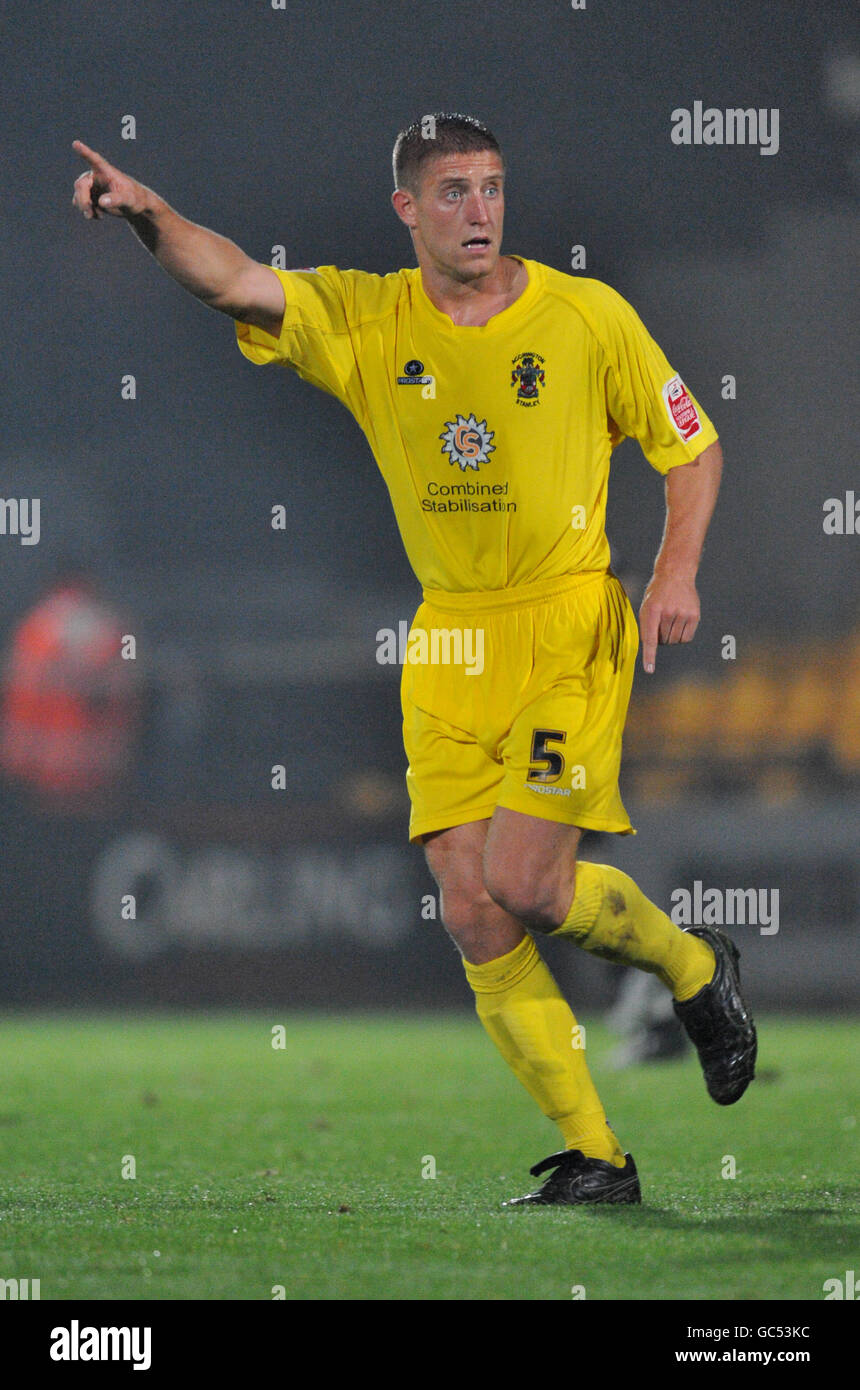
<point>466,916</point>
<point>532,895</point>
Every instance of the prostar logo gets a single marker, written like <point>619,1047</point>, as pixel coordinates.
<point>467,441</point>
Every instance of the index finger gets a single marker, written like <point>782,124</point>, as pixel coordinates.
<point>650,625</point>
<point>100,165</point>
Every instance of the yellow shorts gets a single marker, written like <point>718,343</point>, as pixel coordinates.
<point>518,698</point>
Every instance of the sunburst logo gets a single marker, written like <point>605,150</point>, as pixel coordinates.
<point>467,441</point>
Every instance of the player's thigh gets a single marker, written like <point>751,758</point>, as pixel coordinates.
<point>480,928</point>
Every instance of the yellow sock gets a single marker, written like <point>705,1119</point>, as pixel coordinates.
<point>611,917</point>
<point>522,1009</point>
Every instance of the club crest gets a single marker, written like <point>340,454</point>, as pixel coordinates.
<point>528,375</point>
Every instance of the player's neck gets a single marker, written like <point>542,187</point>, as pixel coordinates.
<point>473,303</point>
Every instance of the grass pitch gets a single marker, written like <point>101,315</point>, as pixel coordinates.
<point>303,1167</point>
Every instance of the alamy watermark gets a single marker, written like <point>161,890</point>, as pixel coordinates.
<point>435,646</point>
<point>849,1288</point>
<point>726,907</point>
<point>20,1289</point>
<point>842,518</point>
<point>708,125</point>
<point>77,1343</point>
<point>20,516</point>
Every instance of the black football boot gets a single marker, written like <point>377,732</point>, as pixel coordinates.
<point>719,1024</point>
<point>580,1181</point>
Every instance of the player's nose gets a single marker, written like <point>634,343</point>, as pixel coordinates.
<point>476,210</point>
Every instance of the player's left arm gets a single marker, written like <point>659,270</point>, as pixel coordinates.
<point>670,609</point>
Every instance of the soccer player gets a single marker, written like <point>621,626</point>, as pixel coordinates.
<point>492,390</point>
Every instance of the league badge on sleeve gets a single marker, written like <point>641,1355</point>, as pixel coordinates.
<point>682,412</point>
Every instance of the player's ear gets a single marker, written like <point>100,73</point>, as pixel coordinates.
<point>404,205</point>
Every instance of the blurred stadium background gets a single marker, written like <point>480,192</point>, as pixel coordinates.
<point>256,647</point>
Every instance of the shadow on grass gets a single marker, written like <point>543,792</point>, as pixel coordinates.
<point>820,1231</point>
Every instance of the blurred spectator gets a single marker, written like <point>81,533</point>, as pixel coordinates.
<point>70,708</point>
<point>643,1015</point>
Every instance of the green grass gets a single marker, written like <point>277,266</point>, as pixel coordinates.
<point>302,1167</point>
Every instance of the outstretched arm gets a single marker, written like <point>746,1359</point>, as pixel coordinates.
<point>209,266</point>
<point>670,609</point>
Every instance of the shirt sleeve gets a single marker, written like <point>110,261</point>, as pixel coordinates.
<point>316,338</point>
<point>646,399</point>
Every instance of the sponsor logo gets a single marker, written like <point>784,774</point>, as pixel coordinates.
<point>467,441</point>
<point>467,497</point>
<point>413,374</point>
<point>681,410</point>
<point>527,374</point>
<point>215,897</point>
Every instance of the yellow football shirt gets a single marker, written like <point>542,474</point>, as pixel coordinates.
<point>494,441</point>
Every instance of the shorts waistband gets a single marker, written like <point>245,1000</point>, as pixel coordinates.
<point>520,596</point>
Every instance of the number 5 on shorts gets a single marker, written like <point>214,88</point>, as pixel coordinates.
<point>546,765</point>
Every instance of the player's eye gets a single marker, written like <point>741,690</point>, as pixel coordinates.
<point>492,190</point>
<point>452,194</point>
